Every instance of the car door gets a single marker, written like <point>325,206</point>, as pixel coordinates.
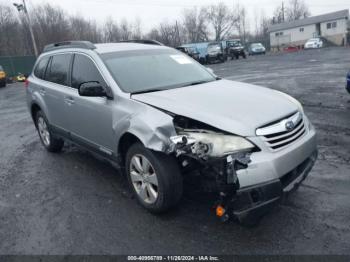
<point>54,90</point>
<point>90,117</point>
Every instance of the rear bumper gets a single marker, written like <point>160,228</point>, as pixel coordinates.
<point>254,201</point>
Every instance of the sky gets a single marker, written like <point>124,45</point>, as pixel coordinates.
<point>152,12</point>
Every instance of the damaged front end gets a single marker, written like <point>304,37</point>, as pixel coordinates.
<point>213,152</point>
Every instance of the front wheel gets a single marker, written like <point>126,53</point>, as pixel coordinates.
<point>154,177</point>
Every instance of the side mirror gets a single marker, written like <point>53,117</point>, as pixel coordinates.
<point>92,89</point>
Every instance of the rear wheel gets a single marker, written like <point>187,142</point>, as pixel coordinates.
<point>50,142</point>
<point>154,177</point>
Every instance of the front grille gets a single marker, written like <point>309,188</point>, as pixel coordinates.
<point>280,137</point>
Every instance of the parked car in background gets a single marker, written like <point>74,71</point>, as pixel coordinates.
<point>348,82</point>
<point>191,51</point>
<point>256,49</point>
<point>19,77</point>
<point>162,116</point>
<point>215,52</point>
<point>291,48</point>
<point>235,49</point>
<point>314,43</point>
<point>2,77</point>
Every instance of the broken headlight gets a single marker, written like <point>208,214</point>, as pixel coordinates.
<point>210,144</point>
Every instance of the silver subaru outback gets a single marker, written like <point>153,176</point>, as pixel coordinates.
<point>162,116</point>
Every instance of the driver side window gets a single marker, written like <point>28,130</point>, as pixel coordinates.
<point>84,70</point>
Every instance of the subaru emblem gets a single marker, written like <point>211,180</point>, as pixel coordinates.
<point>290,125</point>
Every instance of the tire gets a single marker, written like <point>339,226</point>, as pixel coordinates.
<point>47,138</point>
<point>244,56</point>
<point>3,84</point>
<point>159,191</point>
<point>208,61</point>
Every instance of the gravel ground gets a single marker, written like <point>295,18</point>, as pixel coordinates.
<point>73,203</point>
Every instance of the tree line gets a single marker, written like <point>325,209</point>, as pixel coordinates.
<point>213,22</point>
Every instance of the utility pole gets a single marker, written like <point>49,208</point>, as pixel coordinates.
<point>282,11</point>
<point>23,7</point>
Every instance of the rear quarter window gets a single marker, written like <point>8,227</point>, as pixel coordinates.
<point>40,69</point>
<point>59,68</point>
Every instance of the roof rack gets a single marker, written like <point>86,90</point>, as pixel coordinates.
<point>143,41</point>
<point>69,44</point>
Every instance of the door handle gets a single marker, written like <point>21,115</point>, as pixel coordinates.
<point>69,100</point>
<point>42,91</point>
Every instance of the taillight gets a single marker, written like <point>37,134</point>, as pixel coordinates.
<point>26,83</point>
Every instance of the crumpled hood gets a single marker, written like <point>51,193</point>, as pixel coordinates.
<point>234,107</point>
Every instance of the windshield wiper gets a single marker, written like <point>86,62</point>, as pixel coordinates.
<point>147,91</point>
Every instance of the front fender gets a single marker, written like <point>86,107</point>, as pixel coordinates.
<point>150,125</point>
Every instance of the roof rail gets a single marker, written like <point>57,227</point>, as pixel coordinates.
<point>69,44</point>
<point>143,41</point>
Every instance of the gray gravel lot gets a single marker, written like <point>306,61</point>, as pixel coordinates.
<point>73,203</point>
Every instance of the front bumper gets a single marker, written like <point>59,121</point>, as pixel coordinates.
<point>258,52</point>
<point>252,202</point>
<point>271,175</point>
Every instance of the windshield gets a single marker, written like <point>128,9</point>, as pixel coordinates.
<point>257,45</point>
<point>214,47</point>
<point>1,69</point>
<point>147,70</point>
<point>192,50</point>
<point>234,43</point>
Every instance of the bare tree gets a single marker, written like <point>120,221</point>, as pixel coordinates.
<point>261,31</point>
<point>195,24</point>
<point>11,40</point>
<point>242,22</point>
<point>222,20</point>
<point>278,15</point>
<point>111,31</point>
<point>297,9</point>
<point>137,29</point>
<point>125,30</point>
<point>82,29</point>
<point>171,34</point>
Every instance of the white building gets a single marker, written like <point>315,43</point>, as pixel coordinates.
<point>332,26</point>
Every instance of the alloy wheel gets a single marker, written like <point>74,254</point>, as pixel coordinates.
<point>144,178</point>
<point>43,131</point>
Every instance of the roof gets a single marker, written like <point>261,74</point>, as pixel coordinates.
<point>119,47</point>
<point>310,20</point>
<point>106,47</point>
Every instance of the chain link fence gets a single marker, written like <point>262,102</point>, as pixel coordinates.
<point>13,65</point>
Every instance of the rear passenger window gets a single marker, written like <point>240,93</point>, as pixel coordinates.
<point>84,70</point>
<point>40,69</point>
<point>59,68</point>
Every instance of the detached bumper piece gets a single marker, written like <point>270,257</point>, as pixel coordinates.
<point>249,204</point>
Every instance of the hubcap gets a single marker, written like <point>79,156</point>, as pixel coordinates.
<point>144,178</point>
<point>43,131</point>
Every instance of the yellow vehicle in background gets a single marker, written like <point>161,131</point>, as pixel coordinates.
<point>2,77</point>
<point>19,78</point>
